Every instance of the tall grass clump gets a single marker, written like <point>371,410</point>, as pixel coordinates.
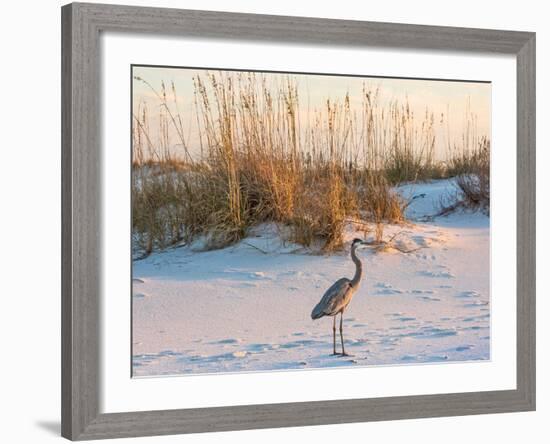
<point>475,184</point>
<point>396,141</point>
<point>158,208</point>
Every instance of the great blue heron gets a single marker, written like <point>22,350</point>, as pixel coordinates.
<point>338,296</point>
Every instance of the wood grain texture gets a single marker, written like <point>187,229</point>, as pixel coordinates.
<point>81,222</point>
<point>259,27</point>
<point>81,205</point>
<point>66,224</point>
<point>526,221</point>
<point>119,425</point>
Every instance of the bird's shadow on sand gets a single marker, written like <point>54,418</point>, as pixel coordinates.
<point>53,427</point>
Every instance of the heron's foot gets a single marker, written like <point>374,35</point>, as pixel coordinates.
<point>344,354</point>
<point>335,354</point>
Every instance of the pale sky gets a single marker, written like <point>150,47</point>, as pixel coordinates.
<point>453,99</point>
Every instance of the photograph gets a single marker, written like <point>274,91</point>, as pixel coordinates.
<point>286,221</point>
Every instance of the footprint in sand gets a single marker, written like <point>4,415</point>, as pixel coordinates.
<point>399,327</point>
<point>434,332</point>
<point>422,241</point>
<point>258,275</point>
<point>382,285</point>
<point>406,319</point>
<point>227,341</point>
<point>475,304</point>
<point>437,274</point>
<point>257,348</point>
<point>389,291</point>
<point>468,294</point>
<point>246,285</point>
<point>301,343</point>
<point>428,299</point>
<point>470,319</point>
<point>240,354</point>
<point>395,314</point>
<point>428,257</point>
<point>475,328</point>
<point>385,288</point>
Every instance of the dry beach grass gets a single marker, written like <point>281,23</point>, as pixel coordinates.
<point>259,161</point>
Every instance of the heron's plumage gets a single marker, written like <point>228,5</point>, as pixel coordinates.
<point>334,299</point>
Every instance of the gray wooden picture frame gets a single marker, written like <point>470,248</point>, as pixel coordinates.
<point>81,231</point>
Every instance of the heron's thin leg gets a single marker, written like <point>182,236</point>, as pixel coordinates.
<point>341,333</point>
<point>334,335</point>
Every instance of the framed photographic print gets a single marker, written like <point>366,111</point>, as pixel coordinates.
<point>280,221</point>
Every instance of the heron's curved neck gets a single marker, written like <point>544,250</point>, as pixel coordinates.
<point>358,269</point>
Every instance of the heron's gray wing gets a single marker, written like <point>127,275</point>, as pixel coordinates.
<point>333,299</point>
